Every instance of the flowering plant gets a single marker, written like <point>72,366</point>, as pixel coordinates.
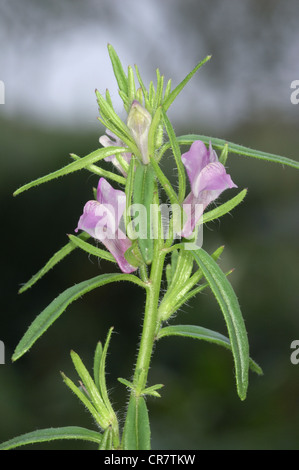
<point>153,245</point>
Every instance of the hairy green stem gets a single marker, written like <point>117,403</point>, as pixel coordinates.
<point>149,324</point>
<point>151,312</point>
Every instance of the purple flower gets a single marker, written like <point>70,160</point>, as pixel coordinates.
<point>111,140</point>
<point>101,219</point>
<point>208,179</point>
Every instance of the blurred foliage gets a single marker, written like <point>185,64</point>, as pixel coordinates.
<point>199,408</point>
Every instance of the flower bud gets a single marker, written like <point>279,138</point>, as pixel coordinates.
<point>139,121</point>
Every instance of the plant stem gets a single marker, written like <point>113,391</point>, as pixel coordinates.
<point>151,313</point>
<point>136,433</point>
<point>149,324</point>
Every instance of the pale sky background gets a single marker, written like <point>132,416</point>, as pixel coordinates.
<point>54,55</point>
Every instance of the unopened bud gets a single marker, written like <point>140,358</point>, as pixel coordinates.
<point>139,121</point>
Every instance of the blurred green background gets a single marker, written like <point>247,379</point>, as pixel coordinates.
<point>53,56</point>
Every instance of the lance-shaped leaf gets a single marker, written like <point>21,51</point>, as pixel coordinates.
<point>52,434</point>
<point>96,364</point>
<point>47,317</point>
<point>152,390</point>
<point>102,375</point>
<point>219,144</point>
<point>101,172</point>
<point>91,249</point>
<point>198,332</point>
<point>91,389</point>
<point>137,435</point>
<point>224,208</point>
<point>131,85</point>
<point>80,164</point>
<point>230,308</point>
<point>81,395</point>
<point>58,256</point>
<point>144,90</point>
<point>118,70</point>
<point>126,382</point>
<point>160,86</point>
<point>113,122</point>
<point>171,97</point>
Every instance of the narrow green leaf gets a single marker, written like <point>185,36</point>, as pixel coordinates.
<point>152,390</point>
<point>224,155</point>
<point>160,86</point>
<point>92,391</point>
<point>102,375</point>
<point>113,122</point>
<point>96,364</point>
<point>167,90</point>
<point>182,265</point>
<point>230,308</point>
<point>139,97</point>
<point>101,172</point>
<point>108,98</point>
<point>186,290</point>
<point>177,156</point>
<point>118,70</point>
<point>143,88</point>
<point>108,124</point>
<point>151,95</point>
<point>58,256</point>
<point>218,144</point>
<point>126,382</point>
<point>198,332</point>
<point>171,268</point>
<point>224,208</point>
<point>58,306</point>
<point>52,434</point>
<point>125,99</point>
<point>171,97</point>
<point>131,85</point>
<point>91,249</point>
<point>85,401</point>
<point>183,298</point>
<point>136,435</point>
<point>80,164</point>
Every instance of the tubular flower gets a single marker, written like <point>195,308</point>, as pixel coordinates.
<point>208,179</point>
<point>101,219</point>
<point>111,140</point>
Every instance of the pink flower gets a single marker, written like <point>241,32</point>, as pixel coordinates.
<point>101,219</point>
<point>111,140</point>
<point>208,179</point>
